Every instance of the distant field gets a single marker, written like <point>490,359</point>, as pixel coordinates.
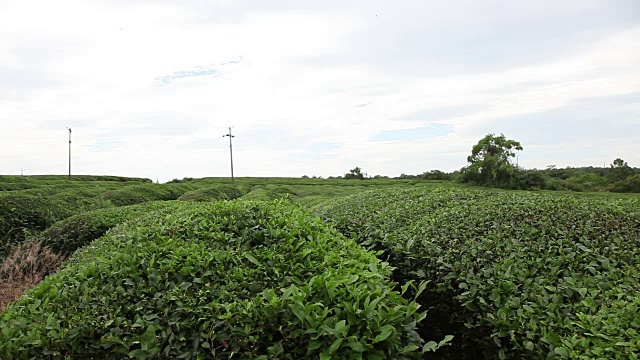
<point>288,266</point>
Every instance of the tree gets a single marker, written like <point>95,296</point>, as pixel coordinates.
<point>355,173</point>
<point>435,175</point>
<point>630,184</point>
<point>619,170</point>
<point>619,163</point>
<point>489,160</point>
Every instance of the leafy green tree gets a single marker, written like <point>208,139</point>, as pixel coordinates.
<point>355,173</point>
<point>435,175</point>
<point>630,184</point>
<point>619,170</point>
<point>587,182</point>
<point>489,162</point>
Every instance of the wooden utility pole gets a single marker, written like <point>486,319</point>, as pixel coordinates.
<point>230,152</point>
<point>69,153</point>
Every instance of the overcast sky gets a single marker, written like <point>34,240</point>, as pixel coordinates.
<point>314,87</point>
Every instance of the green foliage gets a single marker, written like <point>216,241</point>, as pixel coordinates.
<point>355,173</point>
<point>520,275</point>
<point>433,175</point>
<point>555,184</point>
<point>436,175</point>
<point>489,160</point>
<point>85,178</point>
<point>66,236</point>
<point>15,186</point>
<point>49,179</point>
<point>21,214</point>
<point>46,200</point>
<point>137,194</point>
<point>619,177</point>
<point>619,171</point>
<point>82,199</point>
<point>630,184</point>
<point>214,193</point>
<point>217,280</point>
<point>586,182</point>
<point>527,180</point>
<point>261,193</point>
<point>565,173</point>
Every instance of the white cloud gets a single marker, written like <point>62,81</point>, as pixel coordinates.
<point>95,65</point>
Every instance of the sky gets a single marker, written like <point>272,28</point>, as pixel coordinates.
<point>149,88</point>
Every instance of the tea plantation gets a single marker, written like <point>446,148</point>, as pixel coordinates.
<point>321,269</point>
<point>512,275</point>
<point>237,279</point>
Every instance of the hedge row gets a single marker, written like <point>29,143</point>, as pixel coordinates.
<point>15,186</point>
<point>66,236</point>
<point>519,275</point>
<point>22,214</point>
<point>137,194</point>
<point>217,280</point>
<point>65,178</point>
<point>213,193</point>
<point>32,210</point>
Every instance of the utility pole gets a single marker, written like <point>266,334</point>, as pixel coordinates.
<point>230,152</point>
<point>69,153</point>
<point>21,172</point>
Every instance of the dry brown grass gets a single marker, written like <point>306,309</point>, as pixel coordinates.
<point>24,267</point>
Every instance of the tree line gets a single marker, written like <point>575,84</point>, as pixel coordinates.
<point>491,164</point>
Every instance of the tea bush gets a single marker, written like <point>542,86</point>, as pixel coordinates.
<point>137,194</point>
<point>15,186</point>
<point>84,178</point>
<point>219,192</point>
<point>82,199</point>
<point>217,280</point>
<point>21,214</point>
<point>41,191</point>
<point>260,193</point>
<point>528,275</point>
<point>66,236</point>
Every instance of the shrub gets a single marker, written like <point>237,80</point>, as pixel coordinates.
<point>217,280</point>
<point>555,184</point>
<point>137,194</point>
<point>85,178</point>
<point>21,214</point>
<point>15,186</point>
<point>282,190</point>
<point>436,175</point>
<point>631,184</point>
<point>518,275</point>
<point>587,182</point>
<point>219,192</point>
<point>82,199</point>
<point>66,236</point>
<point>525,180</point>
<point>41,191</point>
<point>260,193</point>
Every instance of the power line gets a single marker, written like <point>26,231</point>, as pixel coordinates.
<point>230,151</point>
